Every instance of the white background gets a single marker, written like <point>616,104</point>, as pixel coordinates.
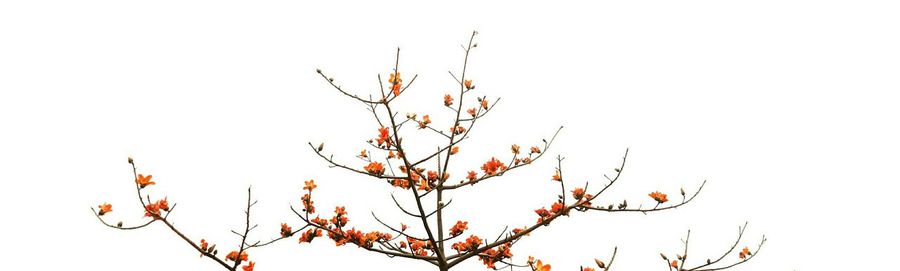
<point>788,108</point>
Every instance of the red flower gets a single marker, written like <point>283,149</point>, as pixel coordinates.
<point>459,228</point>
<point>659,197</point>
<point>144,181</point>
<point>375,168</point>
<point>492,166</point>
<point>104,208</point>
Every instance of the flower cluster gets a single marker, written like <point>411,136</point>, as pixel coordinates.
<point>470,244</point>
<point>308,206</point>
<point>556,208</point>
<point>154,209</point>
<point>286,230</point>
<point>395,83</point>
<point>492,256</point>
<point>418,247</point>
<point>309,235</point>
<point>375,168</point>
<point>493,166</point>
<point>459,227</point>
<point>384,137</point>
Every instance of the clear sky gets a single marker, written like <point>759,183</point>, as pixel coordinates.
<point>787,108</point>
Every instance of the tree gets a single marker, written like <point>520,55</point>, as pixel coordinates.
<point>437,241</point>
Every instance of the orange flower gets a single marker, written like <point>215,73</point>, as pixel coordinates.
<point>402,183</point>
<point>459,228</point>
<point>395,78</point>
<point>163,204</point>
<point>234,256</point>
<point>319,221</point>
<point>448,100</point>
<point>587,269</point>
<point>492,166</point>
<point>578,193</point>
<point>309,185</point>
<point>308,204</point>
<point>556,176</point>
<point>540,266</point>
<point>384,136</point>
<point>744,253</point>
<point>515,149</point>
<point>468,84</point>
<point>391,154</point>
<point>104,208</point>
<point>144,181</point>
<point>375,168</point>
<point>396,89</point>
<point>249,266</point>
<point>425,121</point>
<point>340,218</point>
<point>454,150</point>
<point>472,111</point>
<point>674,263</point>
<point>285,230</point>
<point>363,154</point>
<point>204,246</point>
<point>471,243</point>
<point>659,197</point>
<point>557,207</point>
<point>309,235</point>
<point>472,176</point>
<point>153,209</point>
<point>458,129</point>
<point>424,185</point>
<point>484,104</point>
<point>535,149</point>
